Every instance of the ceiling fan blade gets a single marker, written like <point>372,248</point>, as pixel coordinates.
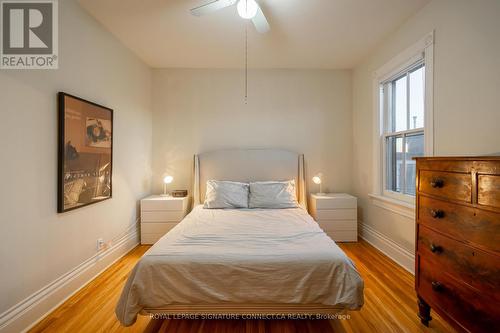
<point>260,22</point>
<point>212,7</point>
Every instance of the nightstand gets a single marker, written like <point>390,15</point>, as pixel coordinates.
<point>336,214</point>
<point>160,214</point>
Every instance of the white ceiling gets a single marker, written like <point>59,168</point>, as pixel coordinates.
<point>304,33</point>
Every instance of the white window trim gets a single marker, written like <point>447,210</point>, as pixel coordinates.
<point>423,49</point>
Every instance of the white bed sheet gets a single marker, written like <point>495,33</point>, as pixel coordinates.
<point>223,256</point>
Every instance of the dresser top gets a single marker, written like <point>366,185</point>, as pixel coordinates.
<point>459,158</point>
<point>327,196</point>
<point>157,197</point>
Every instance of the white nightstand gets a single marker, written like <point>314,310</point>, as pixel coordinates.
<point>159,215</point>
<point>337,215</point>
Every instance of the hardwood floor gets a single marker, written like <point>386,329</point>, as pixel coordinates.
<point>390,305</point>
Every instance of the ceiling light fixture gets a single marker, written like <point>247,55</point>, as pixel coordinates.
<point>247,9</point>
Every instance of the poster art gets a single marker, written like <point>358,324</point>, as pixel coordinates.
<point>85,152</point>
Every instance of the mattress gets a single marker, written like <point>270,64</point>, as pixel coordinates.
<point>225,256</point>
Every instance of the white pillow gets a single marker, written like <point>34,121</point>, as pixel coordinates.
<point>226,194</point>
<point>273,194</point>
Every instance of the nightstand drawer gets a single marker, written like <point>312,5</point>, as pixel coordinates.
<point>336,214</point>
<point>343,235</point>
<point>338,225</point>
<point>150,238</point>
<point>157,227</point>
<point>162,216</point>
<point>160,203</point>
<point>336,202</point>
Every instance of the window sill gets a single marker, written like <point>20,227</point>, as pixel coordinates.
<point>399,207</point>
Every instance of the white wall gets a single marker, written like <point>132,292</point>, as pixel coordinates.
<point>307,111</point>
<point>38,245</point>
<point>466,95</point>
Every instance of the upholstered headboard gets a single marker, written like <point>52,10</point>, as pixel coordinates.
<point>246,165</point>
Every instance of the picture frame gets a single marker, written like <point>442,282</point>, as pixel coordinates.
<point>85,152</point>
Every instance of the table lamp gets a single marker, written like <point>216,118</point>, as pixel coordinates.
<point>166,180</point>
<point>318,180</point>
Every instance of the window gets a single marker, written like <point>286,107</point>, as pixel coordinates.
<point>403,137</point>
<point>403,124</point>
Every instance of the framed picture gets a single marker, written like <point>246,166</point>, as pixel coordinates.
<point>85,159</point>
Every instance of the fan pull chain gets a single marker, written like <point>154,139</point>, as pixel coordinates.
<point>246,63</point>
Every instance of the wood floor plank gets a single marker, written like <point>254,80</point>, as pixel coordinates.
<point>390,305</point>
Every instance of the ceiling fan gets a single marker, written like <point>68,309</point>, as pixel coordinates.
<point>247,9</point>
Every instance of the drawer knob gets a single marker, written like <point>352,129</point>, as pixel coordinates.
<point>437,183</point>
<point>437,286</point>
<point>436,248</point>
<point>437,213</point>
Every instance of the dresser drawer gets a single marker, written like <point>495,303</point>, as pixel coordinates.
<point>475,267</point>
<point>162,216</point>
<point>453,186</point>
<point>336,214</point>
<point>475,311</point>
<point>488,190</point>
<point>468,224</point>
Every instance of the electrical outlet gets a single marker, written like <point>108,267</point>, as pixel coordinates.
<point>100,244</point>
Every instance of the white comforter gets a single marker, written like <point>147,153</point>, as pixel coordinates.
<point>260,256</point>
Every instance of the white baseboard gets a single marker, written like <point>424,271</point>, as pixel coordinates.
<point>401,256</point>
<point>24,315</point>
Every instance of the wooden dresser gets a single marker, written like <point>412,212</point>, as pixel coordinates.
<point>457,266</point>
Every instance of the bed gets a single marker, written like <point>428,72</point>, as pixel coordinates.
<point>243,261</point>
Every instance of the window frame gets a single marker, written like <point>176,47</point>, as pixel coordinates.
<point>422,52</point>
<point>386,110</point>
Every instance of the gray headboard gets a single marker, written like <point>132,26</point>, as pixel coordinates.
<point>246,165</point>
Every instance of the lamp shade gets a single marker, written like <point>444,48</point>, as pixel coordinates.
<point>247,9</point>
<point>168,179</point>
<point>316,180</point>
